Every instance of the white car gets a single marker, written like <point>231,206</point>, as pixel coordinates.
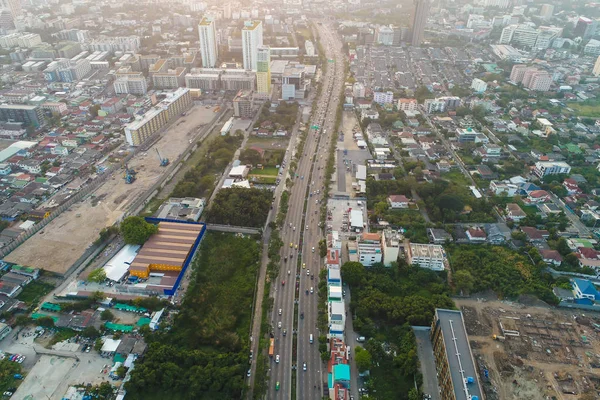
<point>277,358</point>
<point>308,272</point>
<point>280,312</point>
<point>304,366</point>
<point>279,324</point>
<point>312,290</point>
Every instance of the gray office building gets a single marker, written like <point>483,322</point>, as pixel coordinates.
<point>26,114</point>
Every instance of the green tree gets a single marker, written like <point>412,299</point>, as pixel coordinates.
<point>362,358</point>
<point>90,332</point>
<point>46,322</point>
<point>414,394</point>
<point>136,230</point>
<point>107,315</point>
<point>98,275</point>
<point>463,281</point>
<point>98,344</point>
<point>353,273</point>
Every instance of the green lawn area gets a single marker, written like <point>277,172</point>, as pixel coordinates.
<point>34,292</point>
<point>271,171</point>
<point>455,176</point>
<point>584,110</point>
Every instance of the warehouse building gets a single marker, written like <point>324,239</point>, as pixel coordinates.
<point>456,371</point>
<point>166,251</point>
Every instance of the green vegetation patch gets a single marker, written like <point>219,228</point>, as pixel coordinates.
<point>241,207</point>
<point>205,354</point>
<point>386,302</point>
<point>34,291</point>
<point>8,369</point>
<point>500,269</point>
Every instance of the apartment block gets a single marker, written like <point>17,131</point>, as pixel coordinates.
<point>456,371</point>
<point>170,79</point>
<point>25,114</point>
<point>434,106</point>
<point>408,104</point>
<point>242,104</point>
<point>369,249</point>
<point>430,256</point>
<point>208,42</point>
<point>138,131</point>
<point>252,39</point>
<point>543,168</point>
<point>131,83</point>
<point>205,79</point>
<point>263,70</point>
<point>391,241</point>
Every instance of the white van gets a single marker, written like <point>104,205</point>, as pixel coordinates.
<point>310,338</point>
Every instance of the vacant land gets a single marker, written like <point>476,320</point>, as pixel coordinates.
<point>546,353</point>
<point>75,229</point>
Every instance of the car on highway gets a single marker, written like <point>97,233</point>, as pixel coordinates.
<point>284,332</point>
<point>248,374</point>
<point>308,272</point>
<point>304,367</point>
<point>277,385</point>
<point>313,249</point>
<point>312,290</point>
<point>296,247</point>
<point>282,283</point>
<point>279,324</point>
<point>280,311</point>
<point>291,244</point>
<point>277,358</point>
<point>303,265</point>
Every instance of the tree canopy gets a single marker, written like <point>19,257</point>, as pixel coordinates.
<point>241,207</point>
<point>136,230</point>
<point>204,356</point>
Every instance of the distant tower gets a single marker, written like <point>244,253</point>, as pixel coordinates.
<point>252,39</point>
<point>14,6</point>
<point>263,70</point>
<point>208,42</point>
<point>419,21</point>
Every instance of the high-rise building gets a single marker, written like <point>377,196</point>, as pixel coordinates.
<point>596,70</point>
<point>7,20</point>
<point>419,21</point>
<point>26,114</point>
<point>14,6</point>
<point>208,42</point>
<point>547,11</point>
<point>518,72</point>
<point>252,39</point>
<point>263,70</point>
<point>585,28</point>
<point>478,85</point>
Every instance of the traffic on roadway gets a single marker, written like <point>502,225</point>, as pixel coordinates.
<point>299,275</point>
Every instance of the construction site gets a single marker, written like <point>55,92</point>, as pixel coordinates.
<point>533,353</point>
<point>73,231</point>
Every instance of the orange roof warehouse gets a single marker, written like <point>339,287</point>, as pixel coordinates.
<point>167,254</point>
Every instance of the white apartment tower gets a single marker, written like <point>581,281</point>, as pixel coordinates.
<point>252,39</point>
<point>208,42</point>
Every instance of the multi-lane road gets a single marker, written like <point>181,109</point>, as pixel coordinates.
<point>301,234</point>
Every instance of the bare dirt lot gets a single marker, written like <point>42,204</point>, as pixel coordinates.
<point>542,353</point>
<point>75,229</point>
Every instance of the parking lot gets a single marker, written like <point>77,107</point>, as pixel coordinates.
<point>60,367</point>
<point>337,210</point>
<point>346,163</point>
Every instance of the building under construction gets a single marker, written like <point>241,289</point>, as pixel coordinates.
<point>168,250</point>
<point>457,376</point>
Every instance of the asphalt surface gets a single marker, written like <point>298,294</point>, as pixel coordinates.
<point>306,235</point>
<point>427,361</point>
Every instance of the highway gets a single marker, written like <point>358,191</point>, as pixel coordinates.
<point>300,234</point>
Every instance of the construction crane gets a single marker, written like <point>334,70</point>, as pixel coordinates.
<point>163,161</point>
<point>129,175</point>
